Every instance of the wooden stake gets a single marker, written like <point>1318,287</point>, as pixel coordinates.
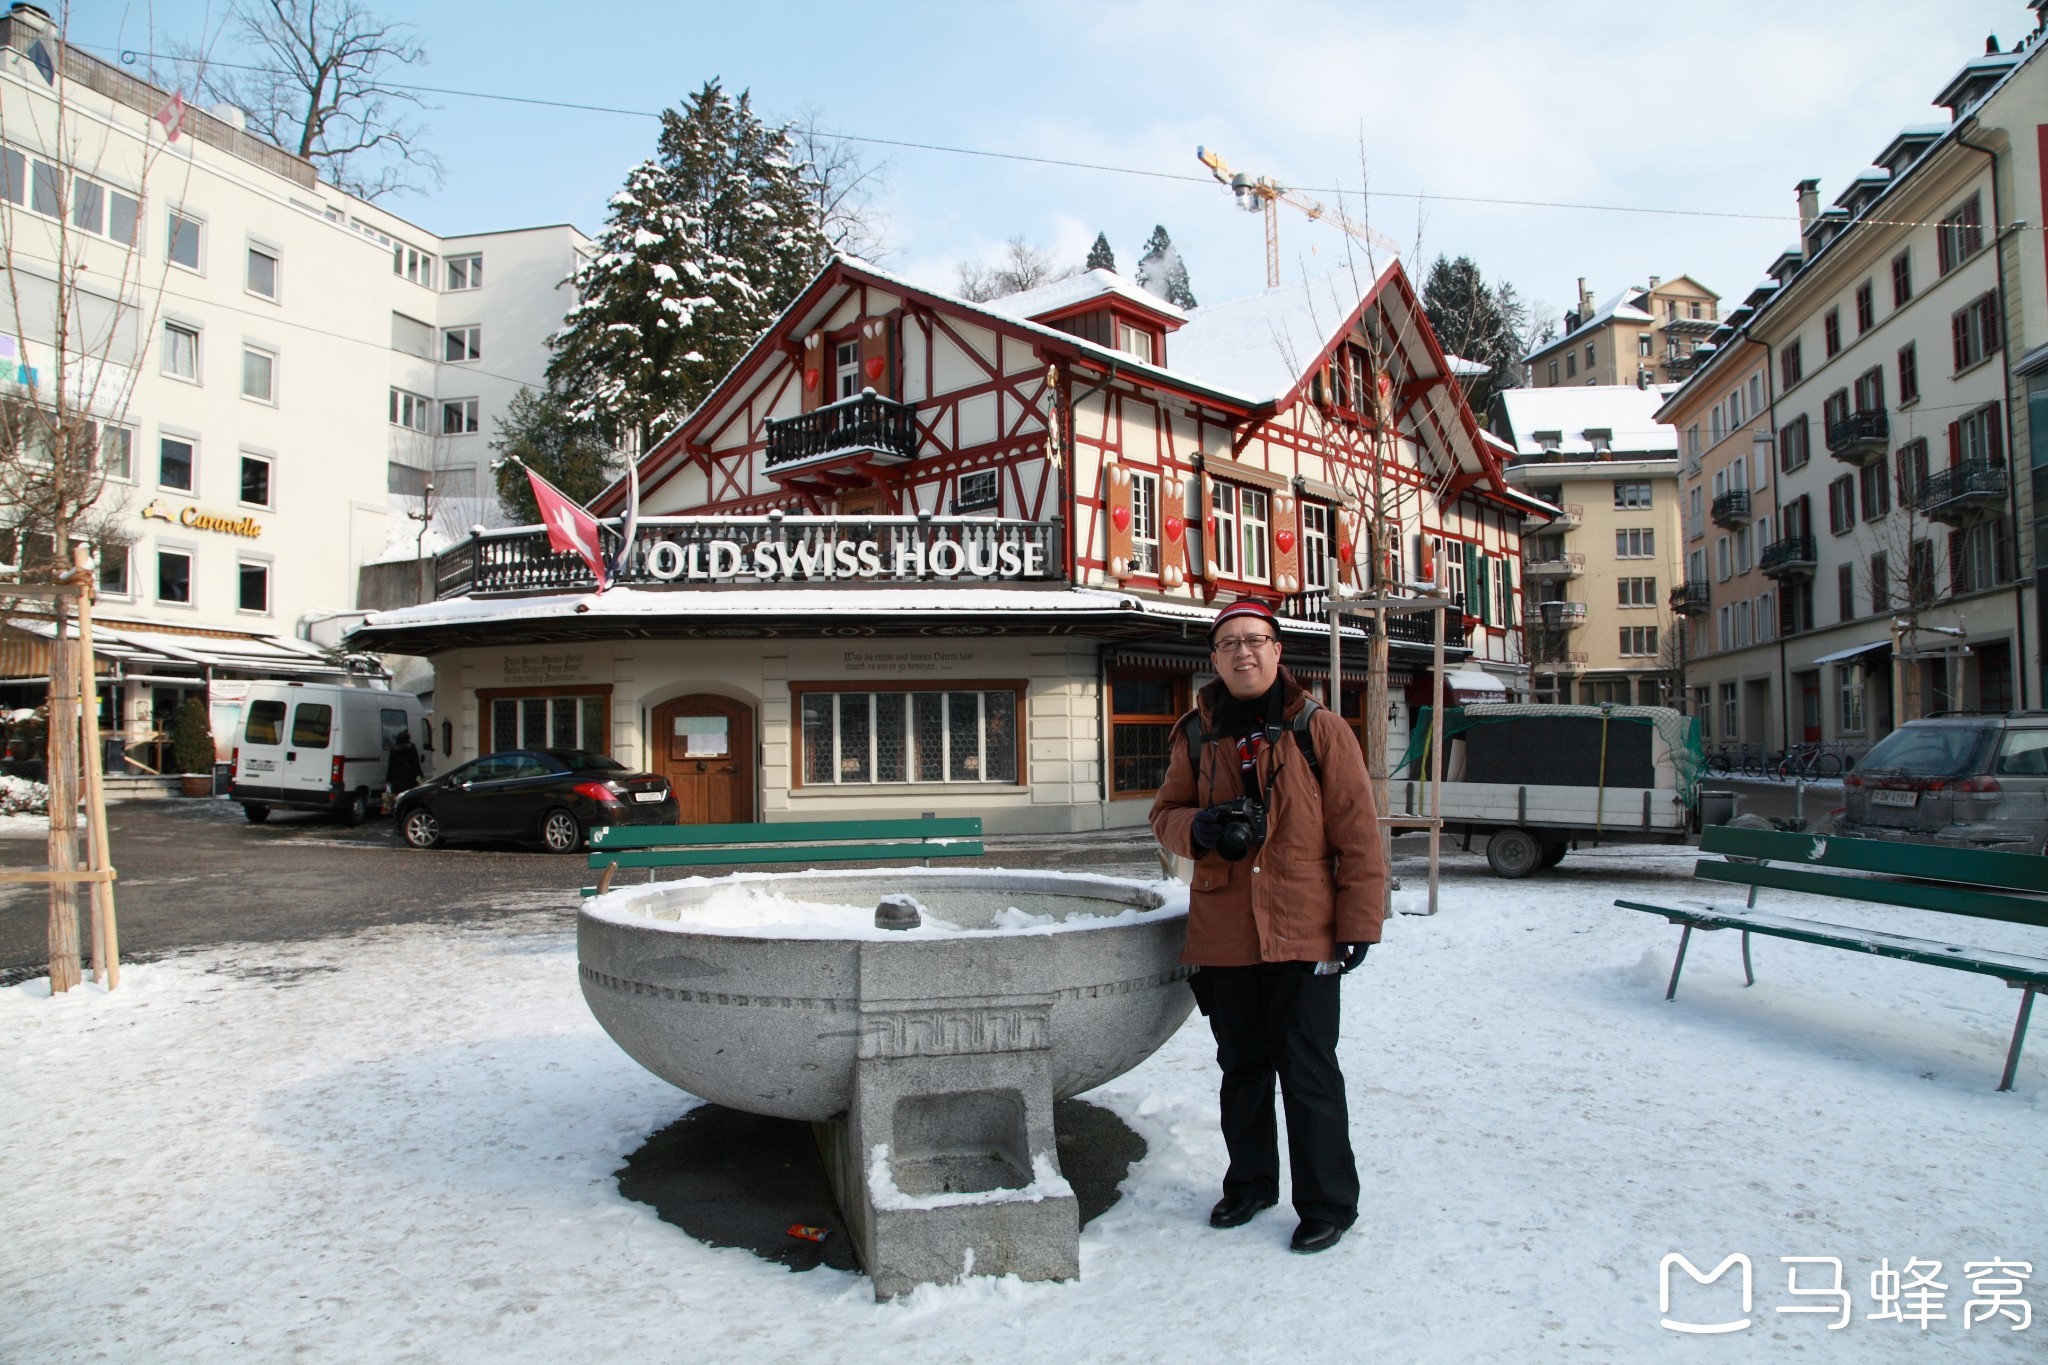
<point>106,936</point>
<point>61,759</point>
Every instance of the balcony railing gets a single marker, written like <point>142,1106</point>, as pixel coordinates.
<point>1860,437</point>
<point>1732,509</point>
<point>1551,653</point>
<point>1964,493</point>
<point>1692,599</point>
<point>866,425</point>
<point>696,551</point>
<point>1790,557</point>
<point>1570,515</point>
<point>1562,615</point>
<point>1570,564</point>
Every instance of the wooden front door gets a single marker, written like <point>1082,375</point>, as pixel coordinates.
<point>861,502</point>
<point>704,746</point>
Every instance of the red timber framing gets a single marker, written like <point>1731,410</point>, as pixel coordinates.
<point>1019,419</point>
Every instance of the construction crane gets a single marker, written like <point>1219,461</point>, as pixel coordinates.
<point>1263,195</point>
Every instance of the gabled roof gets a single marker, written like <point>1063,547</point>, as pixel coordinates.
<point>1064,296</point>
<point>1571,410</point>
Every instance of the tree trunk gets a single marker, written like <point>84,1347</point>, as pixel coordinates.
<point>62,761</point>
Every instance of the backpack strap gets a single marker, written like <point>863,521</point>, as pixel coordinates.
<point>1196,737</point>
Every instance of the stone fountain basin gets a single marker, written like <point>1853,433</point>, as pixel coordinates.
<point>767,1011</point>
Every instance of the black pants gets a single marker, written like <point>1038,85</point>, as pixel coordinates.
<point>1279,1019</point>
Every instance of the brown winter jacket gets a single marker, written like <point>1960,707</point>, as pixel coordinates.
<point>1317,881</point>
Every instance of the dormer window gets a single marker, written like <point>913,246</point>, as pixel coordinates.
<point>1134,341</point>
<point>1601,439</point>
<point>1548,441</point>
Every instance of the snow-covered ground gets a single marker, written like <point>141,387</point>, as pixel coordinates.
<point>402,1145</point>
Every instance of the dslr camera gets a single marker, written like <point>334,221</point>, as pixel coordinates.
<point>1244,829</point>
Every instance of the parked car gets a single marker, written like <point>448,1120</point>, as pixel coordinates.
<point>1967,781</point>
<point>319,746</point>
<point>550,796</point>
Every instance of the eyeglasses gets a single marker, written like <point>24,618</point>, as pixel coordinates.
<point>1239,644</point>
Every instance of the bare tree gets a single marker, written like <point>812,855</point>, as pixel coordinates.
<point>321,86</point>
<point>1023,266</point>
<point>846,186</point>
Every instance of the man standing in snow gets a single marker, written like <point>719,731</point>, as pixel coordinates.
<point>1289,891</point>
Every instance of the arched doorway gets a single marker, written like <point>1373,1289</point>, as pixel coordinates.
<point>704,746</point>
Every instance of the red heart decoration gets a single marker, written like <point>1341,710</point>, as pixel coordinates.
<point>1344,553</point>
<point>1285,540</point>
<point>1121,516</point>
<point>872,367</point>
<point>810,379</point>
<point>1174,527</point>
<point>1210,522</point>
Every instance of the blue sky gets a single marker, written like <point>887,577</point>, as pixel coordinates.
<point>1717,108</point>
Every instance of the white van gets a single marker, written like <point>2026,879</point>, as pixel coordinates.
<point>319,746</point>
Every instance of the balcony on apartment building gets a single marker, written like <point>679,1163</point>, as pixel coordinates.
<point>1792,557</point>
<point>1731,509</point>
<point>1860,437</point>
<point>1964,493</point>
<point>1570,516</point>
<point>1562,615</point>
<point>1567,564</point>
<point>1550,653</point>
<point>1692,599</point>
<point>864,429</point>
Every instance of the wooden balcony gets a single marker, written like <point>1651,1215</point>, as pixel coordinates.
<point>868,429</point>
<point>1860,437</point>
<point>1964,493</point>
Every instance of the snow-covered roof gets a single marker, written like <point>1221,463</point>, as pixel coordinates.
<point>1624,410</point>
<point>1466,369</point>
<point>1060,295</point>
<point>1260,345</point>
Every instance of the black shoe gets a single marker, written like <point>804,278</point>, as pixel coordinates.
<point>1315,1235</point>
<point>1235,1210</point>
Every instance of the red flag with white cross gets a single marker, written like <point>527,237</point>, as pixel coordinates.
<point>570,528</point>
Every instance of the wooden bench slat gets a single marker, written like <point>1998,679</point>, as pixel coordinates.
<point>783,832</point>
<point>837,853</point>
<point>1933,952</point>
<point>1953,900</point>
<point>1933,862</point>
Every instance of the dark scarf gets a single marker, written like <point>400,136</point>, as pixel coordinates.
<point>1237,718</point>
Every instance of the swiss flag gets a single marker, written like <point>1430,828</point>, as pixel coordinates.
<point>172,116</point>
<point>569,527</point>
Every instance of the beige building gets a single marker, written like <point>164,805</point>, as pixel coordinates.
<point>1644,335</point>
<point>1598,577</point>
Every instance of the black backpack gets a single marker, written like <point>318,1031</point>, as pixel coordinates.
<point>1304,738</point>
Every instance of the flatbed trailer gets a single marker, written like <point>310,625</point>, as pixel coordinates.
<point>1529,827</point>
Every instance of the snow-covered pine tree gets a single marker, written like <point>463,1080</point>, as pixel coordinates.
<point>1100,257</point>
<point>1162,272</point>
<point>704,246</point>
<point>1465,314</point>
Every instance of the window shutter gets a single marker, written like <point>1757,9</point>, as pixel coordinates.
<point>1994,434</point>
<point>1285,530</point>
<point>1955,561</point>
<point>1958,332</point>
<point>1474,579</point>
<point>1955,444</point>
<point>1205,509</point>
<point>2001,550</point>
<point>1485,590</point>
<point>1173,531</point>
<point>811,372</point>
<point>1507,591</point>
<point>877,357</point>
<point>1347,548</point>
<point>1116,507</point>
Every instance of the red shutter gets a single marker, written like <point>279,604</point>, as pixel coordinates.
<point>1958,336</point>
<point>1347,549</point>
<point>1994,433</point>
<point>1955,444</point>
<point>1206,510</point>
<point>1955,562</point>
<point>1286,533</point>
<point>811,377</point>
<point>1116,510</point>
<point>1173,532</point>
<point>877,357</point>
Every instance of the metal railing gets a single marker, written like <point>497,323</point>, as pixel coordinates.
<point>1556,614</point>
<point>1859,435</point>
<point>1570,562</point>
<point>1731,509</point>
<point>868,422</point>
<point>1414,628</point>
<point>1793,554</point>
<point>1974,482</point>
<point>1692,598</point>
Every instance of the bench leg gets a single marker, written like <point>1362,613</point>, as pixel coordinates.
<point>1748,976</point>
<point>2019,1037</point>
<point>1678,965</point>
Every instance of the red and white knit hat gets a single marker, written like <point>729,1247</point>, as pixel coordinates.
<point>1247,608</point>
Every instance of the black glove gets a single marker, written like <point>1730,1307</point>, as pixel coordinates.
<point>1207,829</point>
<point>1353,954</point>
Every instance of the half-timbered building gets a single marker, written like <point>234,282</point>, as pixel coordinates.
<point>920,554</point>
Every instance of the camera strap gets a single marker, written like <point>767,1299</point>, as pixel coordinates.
<point>1198,738</point>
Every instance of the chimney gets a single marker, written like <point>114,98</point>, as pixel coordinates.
<point>1656,280</point>
<point>1585,300</point>
<point>1991,46</point>
<point>1809,204</point>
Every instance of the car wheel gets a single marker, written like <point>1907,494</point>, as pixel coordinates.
<point>256,811</point>
<point>420,828</point>
<point>1513,853</point>
<point>356,808</point>
<point>560,831</point>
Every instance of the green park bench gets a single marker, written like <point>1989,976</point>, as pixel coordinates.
<point>1973,883</point>
<point>798,841</point>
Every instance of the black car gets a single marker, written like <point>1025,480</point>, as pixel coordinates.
<point>554,796</point>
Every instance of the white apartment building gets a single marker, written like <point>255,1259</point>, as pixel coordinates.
<point>288,369</point>
<point>1867,409</point>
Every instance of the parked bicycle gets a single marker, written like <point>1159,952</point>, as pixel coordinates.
<point>1737,760</point>
<point>1807,762</point>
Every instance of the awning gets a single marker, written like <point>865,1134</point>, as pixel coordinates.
<point>1842,656</point>
<point>169,655</point>
<point>1470,684</point>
